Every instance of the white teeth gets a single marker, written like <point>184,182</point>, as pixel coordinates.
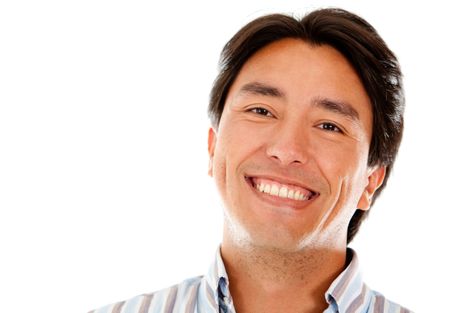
<point>282,192</point>
<point>261,187</point>
<point>291,194</point>
<point>299,196</point>
<point>274,190</point>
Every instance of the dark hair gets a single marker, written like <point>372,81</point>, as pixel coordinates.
<point>354,38</point>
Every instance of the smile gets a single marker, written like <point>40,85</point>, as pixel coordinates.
<point>281,190</point>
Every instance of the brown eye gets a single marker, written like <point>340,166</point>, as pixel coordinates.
<point>261,111</point>
<point>330,127</point>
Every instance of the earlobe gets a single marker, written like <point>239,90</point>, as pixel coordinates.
<point>211,148</point>
<point>375,180</point>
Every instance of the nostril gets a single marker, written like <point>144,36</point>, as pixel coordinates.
<point>288,157</point>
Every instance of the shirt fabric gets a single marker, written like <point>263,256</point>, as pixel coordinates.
<point>210,294</point>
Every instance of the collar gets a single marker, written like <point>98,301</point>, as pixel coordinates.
<point>217,279</point>
<point>348,289</point>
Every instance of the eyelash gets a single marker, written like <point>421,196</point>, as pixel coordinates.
<point>261,111</point>
<point>326,126</point>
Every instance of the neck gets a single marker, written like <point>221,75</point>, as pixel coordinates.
<point>272,280</point>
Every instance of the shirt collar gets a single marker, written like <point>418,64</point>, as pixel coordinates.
<point>347,290</point>
<point>217,278</point>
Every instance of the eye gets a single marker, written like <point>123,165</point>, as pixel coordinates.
<point>330,127</point>
<point>261,111</point>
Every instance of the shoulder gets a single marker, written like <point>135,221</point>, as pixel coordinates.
<point>380,304</point>
<point>164,300</point>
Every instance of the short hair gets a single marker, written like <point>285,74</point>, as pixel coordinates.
<point>375,64</point>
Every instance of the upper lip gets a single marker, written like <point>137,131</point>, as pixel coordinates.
<point>284,180</point>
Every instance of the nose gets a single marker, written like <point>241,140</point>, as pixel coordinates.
<point>289,145</point>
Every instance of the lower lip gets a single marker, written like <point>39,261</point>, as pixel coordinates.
<point>278,201</point>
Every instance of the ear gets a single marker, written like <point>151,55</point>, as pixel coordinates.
<point>375,179</point>
<point>211,147</point>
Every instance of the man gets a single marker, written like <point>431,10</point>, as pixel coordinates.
<point>307,118</point>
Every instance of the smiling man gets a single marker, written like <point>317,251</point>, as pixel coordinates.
<point>307,118</point>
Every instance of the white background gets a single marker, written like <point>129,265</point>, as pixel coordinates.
<point>104,192</point>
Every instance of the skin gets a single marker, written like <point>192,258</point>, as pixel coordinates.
<point>281,255</point>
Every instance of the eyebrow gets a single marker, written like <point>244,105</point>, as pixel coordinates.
<point>340,107</point>
<point>258,88</point>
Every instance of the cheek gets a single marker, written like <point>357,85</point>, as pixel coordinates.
<point>219,166</point>
<point>237,143</point>
<point>341,165</point>
<point>225,158</point>
<point>332,158</point>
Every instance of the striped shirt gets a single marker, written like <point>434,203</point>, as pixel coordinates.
<point>210,294</point>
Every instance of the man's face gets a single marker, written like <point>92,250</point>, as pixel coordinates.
<point>290,154</point>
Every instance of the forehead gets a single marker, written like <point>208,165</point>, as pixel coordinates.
<point>301,62</point>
